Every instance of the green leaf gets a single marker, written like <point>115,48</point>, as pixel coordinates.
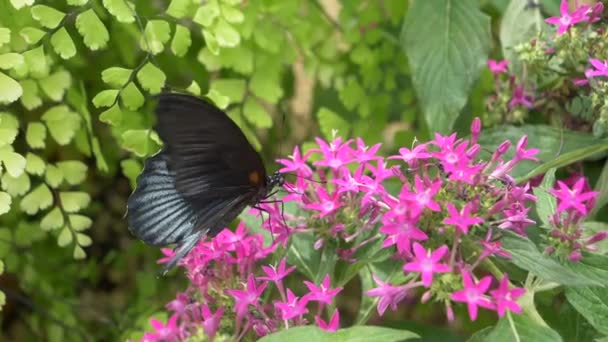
<point>524,327</point>
<point>179,8</point>
<point>131,168</point>
<point>592,303</point>
<point>211,42</point>
<point>112,116</point>
<point>352,334</point>
<point>10,90</point>
<point>434,37</point>
<point>16,186</point>
<point>92,30</point>
<point>62,123</point>
<point>65,237</point>
<point>74,171</point>
<point>5,202</point>
<point>330,121</point>
<point>268,37</point>
<point>31,35</point>
<point>36,62</point>
<point>151,78</point>
<point>226,35</point>
<point>83,240</point>
<point>63,44</point>
<point>233,88</point>
<point>34,164</point>
<point>52,220</point>
<point>206,14</point>
<point>302,254</point>
<point>13,162</point>
<point>18,4</point>
<point>35,135</point>
<point>115,76</point>
<point>120,9</point>
<point>53,176</point>
<point>139,141</point>
<point>47,16</point>
<point>105,98</point>
<point>256,114</point>
<point>38,199</point>
<point>10,60</point>
<point>73,201</point>
<point>77,2</point>
<point>265,84</point>
<point>211,61</point>
<point>231,14</point>
<point>30,98</point>
<point>156,34</point>
<point>5,35</point>
<point>220,100</point>
<point>601,186</point>
<point>546,204</point>
<point>131,97</point>
<point>79,253</point>
<point>9,128</point>
<point>79,222</point>
<point>194,88</point>
<point>56,84</point>
<point>519,24</point>
<point>181,41</point>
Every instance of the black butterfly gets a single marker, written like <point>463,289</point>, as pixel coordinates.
<point>204,177</point>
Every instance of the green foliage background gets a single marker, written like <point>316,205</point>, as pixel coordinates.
<point>76,77</point>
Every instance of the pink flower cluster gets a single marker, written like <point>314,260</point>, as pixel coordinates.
<point>582,13</point>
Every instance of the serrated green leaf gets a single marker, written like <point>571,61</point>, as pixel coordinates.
<point>5,35</point>
<point>18,4</point>
<point>55,85</point>
<point>211,42</point>
<point>16,186</point>
<point>351,94</point>
<point>179,8</point>
<point>139,141</point>
<point>10,90</point>
<point>206,14</point>
<point>77,2</point>
<point>79,222</point>
<point>256,114</point>
<point>30,98</point>
<point>231,14</point>
<point>47,16</point>
<point>35,135</point>
<point>181,41</point>
<point>36,62</point>
<point>31,35</point>
<point>5,202</point>
<point>121,9</point>
<point>226,35</point>
<point>92,30</point>
<point>38,199</point>
<point>53,176</point>
<point>73,201</point>
<point>211,61</point>
<point>151,78</point>
<point>220,100</point>
<point>266,86</point>
<point>194,88</point>
<point>116,76</point>
<point>34,164</point>
<point>131,97</point>
<point>239,58</point>
<point>131,168</point>
<point>62,123</point>
<point>268,37</point>
<point>9,128</point>
<point>105,98</point>
<point>79,253</point>
<point>63,44</point>
<point>329,121</point>
<point>65,237</point>
<point>52,220</point>
<point>10,60</point>
<point>74,171</point>
<point>83,240</point>
<point>13,162</point>
<point>233,88</point>
<point>156,34</point>
<point>112,116</point>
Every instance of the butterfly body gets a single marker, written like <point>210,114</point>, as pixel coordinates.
<point>205,176</point>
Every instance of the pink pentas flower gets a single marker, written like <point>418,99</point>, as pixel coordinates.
<point>168,255</point>
<point>249,296</point>
<point>335,154</point>
<point>326,204</point>
<point>179,304</point>
<point>568,19</point>
<point>414,155</point>
<point>390,295</point>
<point>322,293</point>
<point>293,307</point>
<point>427,263</point>
<point>574,198</point>
<point>401,233</point>
<point>164,332</point>
<point>521,98</point>
<point>423,197</point>
<point>349,182</point>
<point>276,274</point>
<point>364,154</point>
<point>596,12</point>
<point>505,298</point>
<point>211,321</point>
<point>600,68</point>
<point>461,219</point>
<point>474,294</point>
<point>296,163</point>
<point>521,153</point>
<point>334,322</point>
<point>497,67</point>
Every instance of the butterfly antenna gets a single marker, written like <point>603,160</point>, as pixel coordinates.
<point>308,179</point>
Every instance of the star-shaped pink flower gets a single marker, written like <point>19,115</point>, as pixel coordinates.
<point>461,219</point>
<point>474,294</point>
<point>505,298</point>
<point>427,263</point>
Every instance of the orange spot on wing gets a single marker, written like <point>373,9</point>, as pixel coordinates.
<point>254,177</point>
